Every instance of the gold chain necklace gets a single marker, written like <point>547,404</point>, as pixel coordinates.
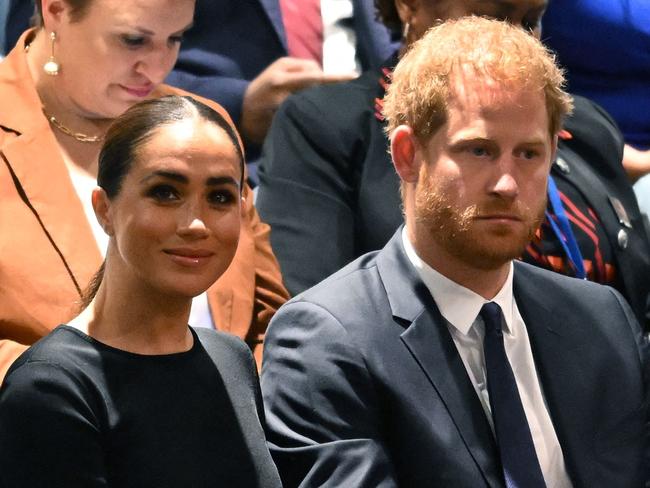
<point>80,136</point>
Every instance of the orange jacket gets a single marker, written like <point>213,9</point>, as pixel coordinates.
<point>47,249</point>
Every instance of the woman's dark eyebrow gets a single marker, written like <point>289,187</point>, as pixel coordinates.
<point>166,174</point>
<point>222,180</point>
<point>148,32</point>
<point>211,181</point>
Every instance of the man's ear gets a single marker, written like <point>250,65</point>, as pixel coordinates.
<point>403,145</point>
<point>102,208</point>
<point>553,148</point>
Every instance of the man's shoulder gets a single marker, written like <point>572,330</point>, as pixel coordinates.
<point>558,290</point>
<point>350,288</point>
<point>545,277</point>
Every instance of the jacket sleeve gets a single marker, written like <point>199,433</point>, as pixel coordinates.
<point>322,408</point>
<point>307,192</point>
<point>270,292</point>
<point>49,435</point>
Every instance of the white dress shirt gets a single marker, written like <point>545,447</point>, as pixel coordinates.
<point>460,307</point>
<point>339,38</point>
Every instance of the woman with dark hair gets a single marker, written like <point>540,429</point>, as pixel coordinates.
<point>85,63</point>
<point>330,192</point>
<point>126,394</point>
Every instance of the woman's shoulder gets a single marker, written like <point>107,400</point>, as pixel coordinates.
<point>56,370</point>
<point>232,357</point>
<point>64,350</point>
<point>223,343</point>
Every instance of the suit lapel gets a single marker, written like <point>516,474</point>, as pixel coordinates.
<point>428,340</point>
<point>272,10</point>
<point>556,339</point>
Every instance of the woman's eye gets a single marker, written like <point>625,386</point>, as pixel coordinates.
<point>163,193</point>
<point>132,41</point>
<point>220,197</point>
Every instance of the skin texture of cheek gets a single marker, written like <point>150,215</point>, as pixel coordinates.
<point>455,228</point>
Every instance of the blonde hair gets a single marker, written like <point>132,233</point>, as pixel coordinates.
<point>491,50</point>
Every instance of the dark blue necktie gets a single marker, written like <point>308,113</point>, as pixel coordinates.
<point>518,457</point>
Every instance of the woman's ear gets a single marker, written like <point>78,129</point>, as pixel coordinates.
<point>102,207</point>
<point>403,145</point>
<point>53,13</point>
<point>406,9</point>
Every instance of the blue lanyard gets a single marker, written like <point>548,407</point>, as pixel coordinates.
<point>563,231</point>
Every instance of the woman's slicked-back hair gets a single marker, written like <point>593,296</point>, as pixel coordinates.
<point>78,9</point>
<point>139,123</point>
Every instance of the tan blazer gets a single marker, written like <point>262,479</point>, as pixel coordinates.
<point>48,252</point>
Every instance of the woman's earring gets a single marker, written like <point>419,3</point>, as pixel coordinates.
<point>52,67</point>
<point>405,30</point>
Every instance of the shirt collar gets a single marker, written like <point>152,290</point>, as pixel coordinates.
<point>459,305</point>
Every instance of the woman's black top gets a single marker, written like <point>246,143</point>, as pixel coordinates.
<point>77,413</point>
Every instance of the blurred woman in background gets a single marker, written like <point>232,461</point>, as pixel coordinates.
<point>60,88</point>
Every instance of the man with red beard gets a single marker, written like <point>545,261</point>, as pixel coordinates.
<point>438,361</point>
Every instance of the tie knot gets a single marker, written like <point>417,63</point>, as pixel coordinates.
<point>491,314</point>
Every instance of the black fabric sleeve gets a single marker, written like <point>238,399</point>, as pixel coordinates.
<point>49,434</point>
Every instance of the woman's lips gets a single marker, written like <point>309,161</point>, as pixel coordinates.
<point>138,91</point>
<point>189,257</point>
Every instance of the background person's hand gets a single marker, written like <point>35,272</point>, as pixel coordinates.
<point>279,80</point>
<point>636,162</point>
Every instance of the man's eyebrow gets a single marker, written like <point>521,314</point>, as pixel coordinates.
<point>533,142</point>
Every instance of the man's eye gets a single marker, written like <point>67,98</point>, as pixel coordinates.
<point>479,151</point>
<point>176,39</point>
<point>529,154</point>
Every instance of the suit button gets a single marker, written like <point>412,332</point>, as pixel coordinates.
<point>623,239</point>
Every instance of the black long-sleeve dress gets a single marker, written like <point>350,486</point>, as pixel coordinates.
<point>77,413</point>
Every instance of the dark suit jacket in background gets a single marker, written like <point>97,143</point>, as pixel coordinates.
<point>363,385</point>
<point>18,15</point>
<point>330,192</point>
<point>233,41</point>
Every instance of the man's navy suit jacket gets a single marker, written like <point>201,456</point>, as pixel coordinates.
<point>363,385</point>
<point>233,41</point>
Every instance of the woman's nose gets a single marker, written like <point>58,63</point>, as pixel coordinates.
<point>156,64</point>
<point>192,224</point>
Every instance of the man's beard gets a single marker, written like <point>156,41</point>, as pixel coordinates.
<point>455,229</point>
